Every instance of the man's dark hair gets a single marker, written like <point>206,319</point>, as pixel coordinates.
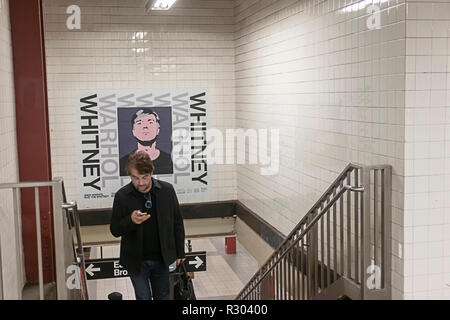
<point>140,161</point>
<point>144,111</point>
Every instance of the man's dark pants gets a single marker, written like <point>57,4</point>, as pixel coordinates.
<point>152,281</point>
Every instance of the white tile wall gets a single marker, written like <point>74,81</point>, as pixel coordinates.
<point>8,157</point>
<point>334,88</point>
<point>190,46</point>
<point>337,91</point>
<point>427,156</point>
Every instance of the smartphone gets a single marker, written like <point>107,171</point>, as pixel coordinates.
<point>140,213</point>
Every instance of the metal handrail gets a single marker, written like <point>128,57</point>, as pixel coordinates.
<point>300,250</point>
<point>62,239</point>
<point>79,252</point>
<point>303,222</point>
<point>301,236</point>
<point>1,271</point>
<point>327,193</point>
<point>274,258</point>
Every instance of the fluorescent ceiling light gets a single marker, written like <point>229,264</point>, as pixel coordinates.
<point>161,4</point>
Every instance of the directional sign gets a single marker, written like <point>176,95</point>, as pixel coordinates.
<point>104,269</point>
<point>110,268</point>
<point>195,261</point>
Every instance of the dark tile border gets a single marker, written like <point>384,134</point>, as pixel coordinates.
<point>216,209</point>
<point>266,231</point>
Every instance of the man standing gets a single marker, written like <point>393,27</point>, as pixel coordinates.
<point>146,214</point>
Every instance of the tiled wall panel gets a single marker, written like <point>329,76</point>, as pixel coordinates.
<point>8,157</point>
<point>427,146</point>
<point>336,91</point>
<point>190,46</point>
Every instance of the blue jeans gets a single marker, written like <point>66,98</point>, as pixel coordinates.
<point>152,281</point>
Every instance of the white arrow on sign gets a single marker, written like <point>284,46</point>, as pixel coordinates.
<point>198,262</point>
<point>91,270</point>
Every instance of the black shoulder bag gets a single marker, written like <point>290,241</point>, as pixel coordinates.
<point>183,288</point>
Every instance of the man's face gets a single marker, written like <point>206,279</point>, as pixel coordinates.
<point>146,128</point>
<point>142,182</point>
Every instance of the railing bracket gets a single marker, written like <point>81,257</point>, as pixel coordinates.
<point>355,189</point>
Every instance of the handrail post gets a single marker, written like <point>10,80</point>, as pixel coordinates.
<point>384,210</point>
<point>17,237</point>
<point>387,193</point>
<point>39,243</point>
<point>365,232</point>
<point>58,227</point>
<point>79,252</point>
<point>1,271</point>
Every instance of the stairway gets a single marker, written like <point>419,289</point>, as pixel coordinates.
<point>341,249</point>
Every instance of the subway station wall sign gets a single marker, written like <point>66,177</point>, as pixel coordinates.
<point>170,125</point>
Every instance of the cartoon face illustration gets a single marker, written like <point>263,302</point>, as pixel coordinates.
<point>146,127</point>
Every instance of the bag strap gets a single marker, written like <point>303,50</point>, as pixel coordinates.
<point>181,268</point>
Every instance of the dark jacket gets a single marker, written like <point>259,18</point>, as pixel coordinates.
<point>170,224</point>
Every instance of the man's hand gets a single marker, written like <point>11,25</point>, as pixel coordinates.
<point>138,219</point>
<point>180,260</point>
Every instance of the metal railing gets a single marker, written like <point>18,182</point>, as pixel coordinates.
<point>345,235</point>
<point>74,221</point>
<point>1,271</point>
<point>63,239</point>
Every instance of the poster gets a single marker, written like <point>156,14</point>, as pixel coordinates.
<point>170,125</point>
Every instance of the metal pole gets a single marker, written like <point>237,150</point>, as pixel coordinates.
<point>80,248</point>
<point>375,216</point>
<point>341,229</point>
<point>382,228</point>
<point>17,237</point>
<point>349,230</point>
<point>1,271</point>
<point>322,254</point>
<point>304,265</point>
<point>315,229</point>
<point>58,227</point>
<point>39,243</point>
<point>387,191</point>
<point>356,232</point>
<point>365,232</point>
<point>335,245</point>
